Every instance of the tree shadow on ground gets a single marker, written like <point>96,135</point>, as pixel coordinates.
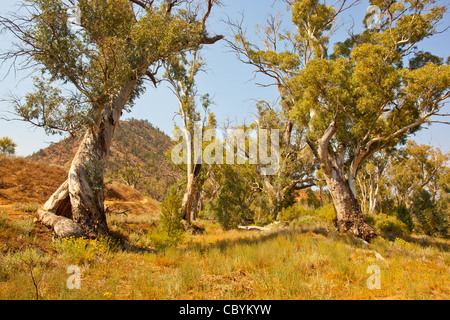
<point>256,238</point>
<point>425,241</point>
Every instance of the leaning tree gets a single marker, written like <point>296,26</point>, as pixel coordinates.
<point>357,98</point>
<point>91,67</point>
<point>361,98</point>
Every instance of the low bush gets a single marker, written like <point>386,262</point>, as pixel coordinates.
<point>161,240</point>
<point>294,212</point>
<point>390,227</point>
<point>311,223</point>
<point>83,250</point>
<point>325,213</point>
<point>171,215</point>
<point>402,214</point>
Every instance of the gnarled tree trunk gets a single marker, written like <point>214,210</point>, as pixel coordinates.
<point>349,216</point>
<point>77,207</point>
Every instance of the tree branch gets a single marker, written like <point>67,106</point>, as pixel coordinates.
<point>324,142</point>
<point>211,40</point>
<point>142,4</point>
<point>207,14</point>
<point>152,78</point>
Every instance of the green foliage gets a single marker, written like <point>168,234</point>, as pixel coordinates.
<point>161,240</point>
<point>288,200</point>
<point>293,212</point>
<point>430,219</point>
<point>82,250</point>
<point>231,205</point>
<point>422,58</point>
<point>7,146</point>
<point>309,223</point>
<point>114,47</point>
<point>417,167</point>
<point>95,170</point>
<point>325,213</point>
<point>390,227</point>
<point>402,214</point>
<point>318,16</point>
<point>171,215</point>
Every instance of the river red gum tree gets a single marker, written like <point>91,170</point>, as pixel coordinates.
<point>359,98</point>
<point>88,76</point>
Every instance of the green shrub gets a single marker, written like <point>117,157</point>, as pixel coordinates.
<point>171,214</point>
<point>402,214</point>
<point>288,200</point>
<point>231,206</point>
<point>309,222</point>
<point>291,213</point>
<point>390,227</point>
<point>326,213</point>
<point>370,219</point>
<point>432,219</point>
<point>161,240</point>
<point>83,250</point>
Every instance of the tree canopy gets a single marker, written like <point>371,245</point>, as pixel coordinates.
<point>84,67</point>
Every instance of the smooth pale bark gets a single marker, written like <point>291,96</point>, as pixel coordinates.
<point>349,216</point>
<point>77,207</point>
<point>191,193</point>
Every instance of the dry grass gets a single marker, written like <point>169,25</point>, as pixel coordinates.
<point>285,263</point>
<point>302,261</point>
<point>120,192</point>
<point>24,181</point>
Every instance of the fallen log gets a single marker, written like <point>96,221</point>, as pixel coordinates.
<point>253,228</point>
<point>62,226</point>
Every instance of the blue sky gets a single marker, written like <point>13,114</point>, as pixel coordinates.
<point>227,80</point>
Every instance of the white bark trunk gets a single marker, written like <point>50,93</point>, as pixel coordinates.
<point>190,194</point>
<point>349,217</point>
<point>77,207</point>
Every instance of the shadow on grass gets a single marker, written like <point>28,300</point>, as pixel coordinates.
<point>120,241</point>
<point>256,238</point>
<point>425,241</point>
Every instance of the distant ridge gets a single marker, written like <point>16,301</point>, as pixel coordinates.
<point>138,157</point>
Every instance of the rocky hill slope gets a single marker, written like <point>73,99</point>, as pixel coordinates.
<point>138,157</point>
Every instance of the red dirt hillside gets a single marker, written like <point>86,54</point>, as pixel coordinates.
<point>24,182</point>
<point>27,181</point>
